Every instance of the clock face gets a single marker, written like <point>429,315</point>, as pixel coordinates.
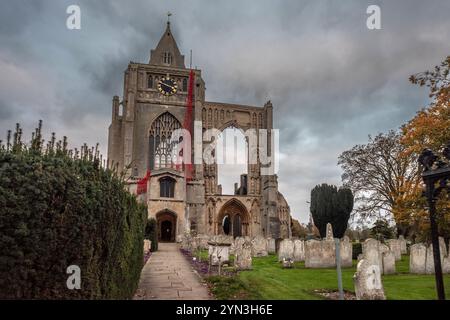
<point>167,86</point>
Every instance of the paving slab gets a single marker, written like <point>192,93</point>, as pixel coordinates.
<point>167,275</point>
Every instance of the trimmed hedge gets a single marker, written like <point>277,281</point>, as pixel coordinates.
<point>151,233</point>
<point>60,208</point>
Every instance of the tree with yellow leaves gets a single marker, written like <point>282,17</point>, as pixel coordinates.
<point>430,128</point>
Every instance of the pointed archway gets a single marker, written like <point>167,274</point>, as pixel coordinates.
<point>233,219</point>
<point>167,225</point>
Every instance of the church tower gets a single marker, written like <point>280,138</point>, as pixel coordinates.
<point>162,96</point>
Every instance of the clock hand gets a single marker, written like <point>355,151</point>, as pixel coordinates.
<point>170,87</point>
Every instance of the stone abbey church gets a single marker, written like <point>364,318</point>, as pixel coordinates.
<point>154,104</point>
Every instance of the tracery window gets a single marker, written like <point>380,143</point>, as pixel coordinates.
<point>160,144</point>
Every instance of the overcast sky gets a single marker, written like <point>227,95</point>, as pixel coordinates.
<point>332,81</point>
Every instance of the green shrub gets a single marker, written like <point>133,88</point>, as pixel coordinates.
<point>357,250</point>
<point>60,208</point>
<point>151,233</point>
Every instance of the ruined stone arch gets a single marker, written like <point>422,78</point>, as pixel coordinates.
<point>238,215</point>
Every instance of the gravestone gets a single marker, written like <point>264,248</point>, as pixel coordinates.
<point>299,250</point>
<point>329,235</point>
<point>271,246</point>
<point>259,246</point>
<point>442,248</point>
<point>320,254</point>
<point>446,265</point>
<point>371,251</point>
<point>286,250</point>
<point>429,262</point>
<point>389,262</point>
<point>367,280</point>
<point>346,250</point>
<point>243,255</point>
<point>417,258</point>
<point>395,247</point>
<point>403,246</point>
<point>219,252</point>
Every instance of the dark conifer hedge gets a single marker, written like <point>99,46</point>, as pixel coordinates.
<point>60,208</point>
<point>151,233</point>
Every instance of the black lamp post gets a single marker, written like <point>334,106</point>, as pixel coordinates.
<point>436,176</point>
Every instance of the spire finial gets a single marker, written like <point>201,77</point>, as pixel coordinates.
<point>169,14</point>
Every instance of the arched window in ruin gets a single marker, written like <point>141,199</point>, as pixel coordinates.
<point>160,144</point>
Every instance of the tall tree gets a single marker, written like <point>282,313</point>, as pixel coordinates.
<point>430,128</point>
<point>331,205</point>
<point>381,174</point>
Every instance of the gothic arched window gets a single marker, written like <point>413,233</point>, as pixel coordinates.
<point>160,144</point>
<point>167,187</point>
<point>185,85</point>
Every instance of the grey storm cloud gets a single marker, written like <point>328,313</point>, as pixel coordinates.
<point>331,80</point>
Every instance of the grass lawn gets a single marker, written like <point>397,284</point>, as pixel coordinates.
<point>268,280</point>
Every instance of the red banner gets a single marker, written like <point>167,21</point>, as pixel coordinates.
<point>142,184</point>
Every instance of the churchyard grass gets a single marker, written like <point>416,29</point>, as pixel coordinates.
<point>268,280</point>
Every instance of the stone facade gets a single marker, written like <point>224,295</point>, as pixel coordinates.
<point>187,199</point>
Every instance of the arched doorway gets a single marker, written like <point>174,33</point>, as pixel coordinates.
<point>233,219</point>
<point>167,223</point>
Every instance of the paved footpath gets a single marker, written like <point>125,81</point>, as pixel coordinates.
<point>168,275</point>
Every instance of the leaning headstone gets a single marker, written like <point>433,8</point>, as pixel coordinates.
<point>395,247</point>
<point>346,251</point>
<point>299,250</point>
<point>371,252</point>
<point>403,246</point>
<point>367,280</point>
<point>271,246</point>
<point>389,262</point>
<point>286,250</point>
<point>417,258</point>
<point>329,235</point>
<point>259,246</point>
<point>243,255</point>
